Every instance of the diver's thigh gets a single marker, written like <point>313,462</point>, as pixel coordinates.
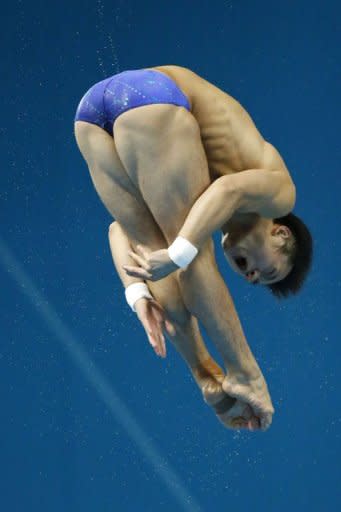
<point>114,187</point>
<point>168,164</point>
<point>98,149</point>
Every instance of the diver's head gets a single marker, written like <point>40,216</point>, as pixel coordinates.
<point>276,253</point>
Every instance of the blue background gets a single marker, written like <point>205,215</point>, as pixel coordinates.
<point>62,447</point>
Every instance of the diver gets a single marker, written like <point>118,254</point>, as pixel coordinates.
<point>174,158</point>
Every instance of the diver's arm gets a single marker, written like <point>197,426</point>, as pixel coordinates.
<point>210,211</point>
<point>271,194</point>
<point>149,312</point>
<point>120,247</point>
<point>267,191</point>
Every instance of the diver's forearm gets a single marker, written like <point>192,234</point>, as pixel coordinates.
<point>210,211</point>
<point>119,247</point>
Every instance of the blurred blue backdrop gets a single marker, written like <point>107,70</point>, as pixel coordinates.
<point>62,448</point>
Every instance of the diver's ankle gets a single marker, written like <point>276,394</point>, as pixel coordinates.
<point>207,368</point>
<point>244,374</point>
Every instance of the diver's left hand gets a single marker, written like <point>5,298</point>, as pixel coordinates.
<point>152,266</point>
<point>155,322</point>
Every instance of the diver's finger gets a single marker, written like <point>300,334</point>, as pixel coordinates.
<point>160,336</point>
<point>163,346</point>
<point>161,316</point>
<point>158,339</point>
<point>160,342</point>
<point>170,328</point>
<point>152,340</point>
<point>139,260</point>
<point>158,312</point>
<point>144,252</point>
<point>136,272</point>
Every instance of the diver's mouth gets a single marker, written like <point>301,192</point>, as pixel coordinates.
<point>241,263</point>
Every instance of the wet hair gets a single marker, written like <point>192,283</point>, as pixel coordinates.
<point>299,249</point>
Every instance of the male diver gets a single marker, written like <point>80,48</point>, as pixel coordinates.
<point>174,158</point>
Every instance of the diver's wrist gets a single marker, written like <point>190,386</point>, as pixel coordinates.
<point>182,252</point>
<point>136,291</point>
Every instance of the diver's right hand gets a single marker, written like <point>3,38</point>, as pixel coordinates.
<point>154,320</point>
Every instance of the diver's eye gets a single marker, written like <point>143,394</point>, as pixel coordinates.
<point>241,262</point>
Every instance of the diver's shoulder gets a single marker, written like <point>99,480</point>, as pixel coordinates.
<point>272,159</point>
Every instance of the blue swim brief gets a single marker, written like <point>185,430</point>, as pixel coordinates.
<point>106,100</point>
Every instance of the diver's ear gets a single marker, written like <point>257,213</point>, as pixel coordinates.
<point>282,231</point>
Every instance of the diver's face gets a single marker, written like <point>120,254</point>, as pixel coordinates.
<point>257,258</point>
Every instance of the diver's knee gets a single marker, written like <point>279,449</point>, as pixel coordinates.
<point>171,301</point>
<point>176,311</point>
<point>199,267</point>
<point>195,279</point>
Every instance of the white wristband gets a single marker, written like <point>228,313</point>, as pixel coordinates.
<point>136,291</point>
<point>182,252</point>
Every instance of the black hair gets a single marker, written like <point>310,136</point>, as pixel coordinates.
<point>299,249</point>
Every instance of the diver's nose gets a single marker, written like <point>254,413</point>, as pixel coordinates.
<point>252,276</point>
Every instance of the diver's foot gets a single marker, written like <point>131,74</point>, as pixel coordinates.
<point>253,408</point>
<point>214,395</point>
<point>210,377</point>
<point>228,410</point>
<point>232,413</point>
